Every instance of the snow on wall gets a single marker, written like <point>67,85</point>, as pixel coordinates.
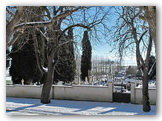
<point>83,92</point>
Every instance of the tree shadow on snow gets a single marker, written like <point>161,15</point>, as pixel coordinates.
<point>101,108</point>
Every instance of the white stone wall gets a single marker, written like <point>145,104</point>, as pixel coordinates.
<point>83,92</point>
<point>136,95</point>
<point>24,91</point>
<point>90,93</point>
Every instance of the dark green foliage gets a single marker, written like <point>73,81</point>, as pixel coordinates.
<point>23,64</point>
<point>65,61</point>
<point>152,67</point>
<point>86,56</point>
<point>7,58</point>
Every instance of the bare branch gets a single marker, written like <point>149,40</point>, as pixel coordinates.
<point>13,41</point>
<point>47,11</point>
<point>46,23</point>
<point>40,66</point>
<point>10,26</point>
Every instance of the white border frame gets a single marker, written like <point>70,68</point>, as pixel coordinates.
<point>5,3</point>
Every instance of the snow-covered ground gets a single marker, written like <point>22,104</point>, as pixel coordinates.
<point>24,106</point>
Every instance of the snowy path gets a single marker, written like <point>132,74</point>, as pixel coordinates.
<point>24,106</point>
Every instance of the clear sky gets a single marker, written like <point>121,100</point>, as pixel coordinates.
<point>101,47</point>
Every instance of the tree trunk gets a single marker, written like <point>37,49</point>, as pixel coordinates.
<point>45,97</point>
<point>146,103</point>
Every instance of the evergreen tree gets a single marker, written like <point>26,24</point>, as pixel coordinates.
<point>86,56</point>
<point>23,65</point>
<point>7,59</point>
<point>65,68</point>
<point>152,68</point>
<point>71,56</point>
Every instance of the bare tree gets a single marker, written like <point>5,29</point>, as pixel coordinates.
<point>13,16</point>
<point>133,35</point>
<point>57,20</point>
<point>148,13</point>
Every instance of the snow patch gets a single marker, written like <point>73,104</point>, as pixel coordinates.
<point>24,106</point>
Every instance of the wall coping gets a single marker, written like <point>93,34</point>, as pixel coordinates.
<point>24,85</point>
<point>80,86</point>
<point>148,88</point>
<point>58,86</point>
